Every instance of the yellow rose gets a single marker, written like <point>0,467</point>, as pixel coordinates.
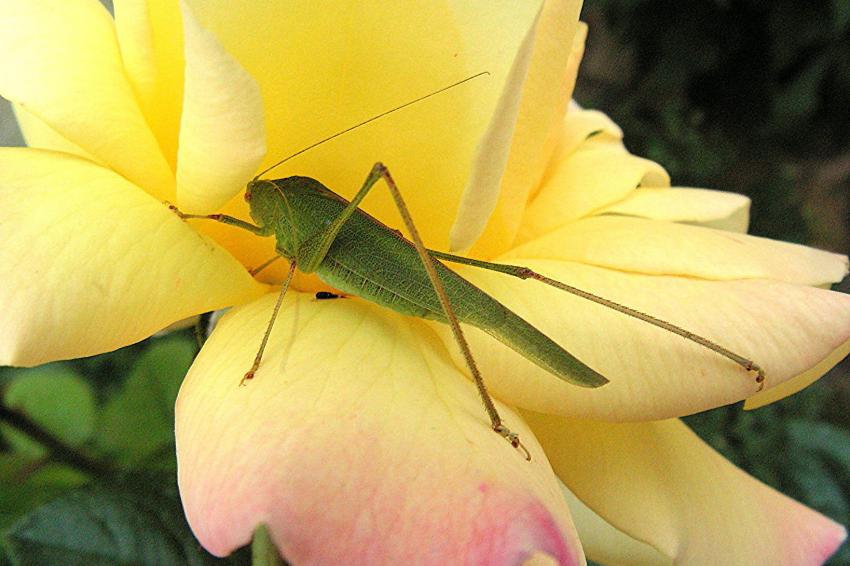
<point>360,440</point>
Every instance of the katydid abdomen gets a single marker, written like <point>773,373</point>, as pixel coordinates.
<point>369,260</point>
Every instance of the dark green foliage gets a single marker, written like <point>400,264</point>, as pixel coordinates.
<point>24,489</point>
<point>134,522</point>
<point>104,494</point>
<point>739,95</point>
<point>137,423</point>
<point>58,398</point>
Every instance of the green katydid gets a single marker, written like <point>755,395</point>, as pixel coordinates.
<point>318,231</point>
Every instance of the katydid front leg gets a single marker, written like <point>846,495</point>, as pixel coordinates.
<point>313,251</point>
<point>260,231</point>
<point>224,219</point>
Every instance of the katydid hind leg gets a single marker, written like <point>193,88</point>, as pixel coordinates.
<point>527,273</point>
<point>380,171</point>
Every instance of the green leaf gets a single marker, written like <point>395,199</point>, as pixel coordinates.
<point>27,484</point>
<point>15,497</point>
<point>841,15</point>
<point>115,526</point>
<point>823,438</point>
<point>819,465</point>
<point>57,399</point>
<point>819,488</point>
<point>4,558</point>
<point>138,422</point>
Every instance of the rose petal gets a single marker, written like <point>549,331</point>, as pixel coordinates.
<point>167,40</point>
<point>135,40</point>
<point>139,28</point>
<point>357,441</point>
<point>604,543</point>
<point>481,195</point>
<point>319,75</point>
<point>592,177</point>
<point>222,134</point>
<point>637,245</point>
<point>61,62</point>
<point>546,88</point>
<point>660,483</point>
<point>91,263</point>
<point>787,329</point>
<point>711,209</point>
<point>540,559</point>
<point>39,135</point>
<point>579,126</point>
<point>799,382</point>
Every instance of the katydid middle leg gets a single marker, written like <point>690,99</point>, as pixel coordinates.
<point>259,357</point>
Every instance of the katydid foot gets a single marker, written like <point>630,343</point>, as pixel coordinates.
<point>513,438</point>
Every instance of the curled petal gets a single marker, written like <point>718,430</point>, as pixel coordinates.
<point>151,38</point>
<point>162,21</point>
<point>604,543</point>
<point>222,134</point>
<point>592,177</point>
<point>660,483</point>
<point>135,39</point>
<point>711,209</point>
<point>799,382</point>
<point>551,56</point>
<point>579,126</point>
<point>38,134</point>
<point>90,263</point>
<point>61,62</point>
<point>482,192</point>
<point>637,245</point>
<point>654,374</point>
<point>357,441</point>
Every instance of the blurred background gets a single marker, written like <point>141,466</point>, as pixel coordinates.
<point>738,95</point>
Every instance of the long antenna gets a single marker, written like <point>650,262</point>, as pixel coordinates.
<point>372,119</point>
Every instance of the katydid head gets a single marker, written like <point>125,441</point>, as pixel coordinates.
<point>263,198</point>
<point>269,208</point>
